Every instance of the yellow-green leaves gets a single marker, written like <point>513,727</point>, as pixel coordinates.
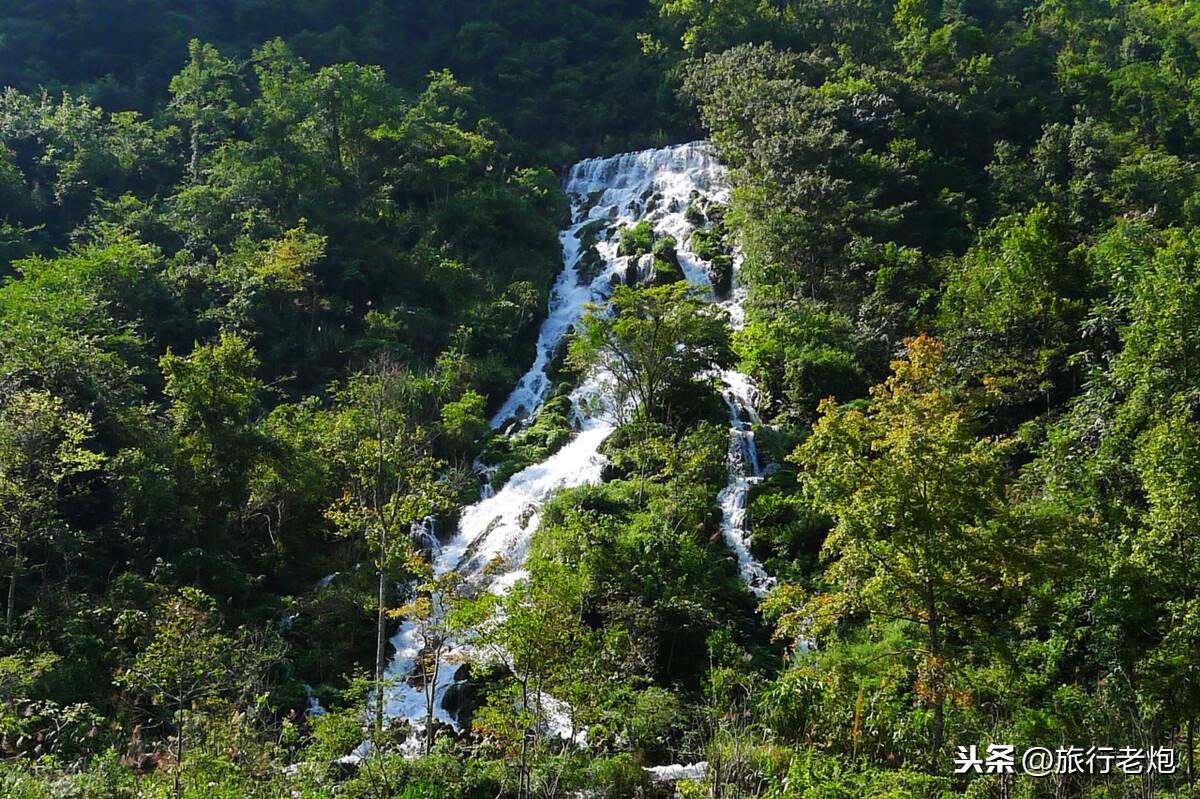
<point>914,491</point>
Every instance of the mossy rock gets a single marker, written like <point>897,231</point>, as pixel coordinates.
<point>592,200</point>
<point>593,231</point>
<point>548,432</point>
<point>665,247</point>
<point>705,243</point>
<point>666,270</point>
<point>591,264</point>
<point>650,200</point>
<point>721,273</point>
<point>636,241</point>
<point>710,245</point>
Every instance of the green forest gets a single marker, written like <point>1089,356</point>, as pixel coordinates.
<point>910,308</point>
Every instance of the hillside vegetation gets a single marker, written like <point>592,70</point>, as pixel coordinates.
<point>267,269</point>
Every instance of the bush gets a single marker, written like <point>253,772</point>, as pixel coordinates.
<point>813,776</point>
<point>651,722</point>
<point>19,781</point>
<point>548,432</point>
<point>636,241</point>
<point>706,243</point>
<point>618,777</point>
<point>799,355</point>
<point>665,248</point>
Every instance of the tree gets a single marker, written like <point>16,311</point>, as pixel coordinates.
<point>42,446</point>
<point>434,614</point>
<point>214,392</point>
<point>389,481</point>
<point>38,725</point>
<point>1159,365</point>
<point>1165,546</point>
<point>464,420</point>
<point>205,96</point>
<point>799,353</point>
<point>256,271</point>
<point>655,344</point>
<point>1011,311</point>
<point>346,100</point>
<point>534,631</point>
<point>1157,373</point>
<point>74,324</point>
<point>187,659</point>
<point>915,495</point>
<point>713,26</point>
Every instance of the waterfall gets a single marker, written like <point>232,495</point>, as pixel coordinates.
<point>655,185</point>
<point>606,193</point>
<point>744,470</point>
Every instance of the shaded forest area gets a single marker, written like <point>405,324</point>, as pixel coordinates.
<point>565,78</point>
<point>261,262</point>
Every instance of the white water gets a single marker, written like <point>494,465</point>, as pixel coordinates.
<point>656,185</point>
<point>676,772</point>
<point>618,190</point>
<point>743,466</point>
<point>744,471</point>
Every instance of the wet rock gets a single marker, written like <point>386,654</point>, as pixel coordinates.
<point>590,265</point>
<point>631,273</point>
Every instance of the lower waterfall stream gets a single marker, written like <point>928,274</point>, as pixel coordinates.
<point>656,186</point>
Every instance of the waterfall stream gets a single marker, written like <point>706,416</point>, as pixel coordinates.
<point>744,469</point>
<point>606,194</point>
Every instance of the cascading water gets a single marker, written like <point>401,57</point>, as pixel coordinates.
<point>743,466</point>
<point>744,471</point>
<point>606,194</point>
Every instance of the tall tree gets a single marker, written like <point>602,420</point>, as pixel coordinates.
<point>214,395</point>
<point>1157,370</point>
<point>914,492</point>
<point>205,95</point>
<point>534,631</point>
<point>435,615</point>
<point>187,659</point>
<point>1166,546</point>
<point>389,476</point>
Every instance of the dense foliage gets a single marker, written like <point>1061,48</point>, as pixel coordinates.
<point>1014,183</point>
<point>567,77</point>
<point>251,332</point>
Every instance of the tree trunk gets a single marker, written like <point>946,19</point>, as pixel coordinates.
<point>194,162</point>
<point>12,599</point>
<point>522,791</point>
<point>380,649</point>
<point>431,696</point>
<point>179,751</point>
<point>939,698</point>
<point>10,612</point>
<point>1191,751</point>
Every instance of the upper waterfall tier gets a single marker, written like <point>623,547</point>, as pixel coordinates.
<point>653,185</point>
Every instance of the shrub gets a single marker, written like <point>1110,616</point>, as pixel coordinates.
<point>636,241</point>
<point>618,777</point>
